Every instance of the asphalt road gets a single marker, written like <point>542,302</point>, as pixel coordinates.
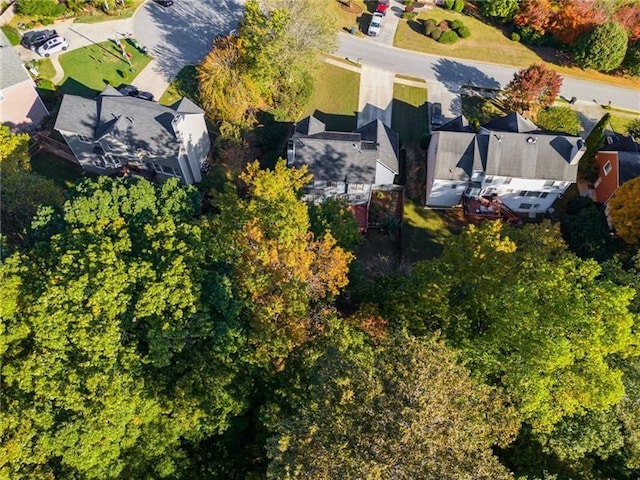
<point>182,34</point>
<point>446,75</point>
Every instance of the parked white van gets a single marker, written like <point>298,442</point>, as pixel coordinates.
<point>53,45</point>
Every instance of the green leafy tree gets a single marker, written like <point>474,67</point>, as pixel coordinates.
<point>333,216</point>
<point>500,9</point>
<point>528,315</point>
<point>586,231</point>
<point>559,119</point>
<point>23,191</point>
<point>281,271</point>
<point>119,344</point>
<point>624,209</point>
<point>404,410</point>
<point>632,59</point>
<point>603,48</point>
<point>587,166</point>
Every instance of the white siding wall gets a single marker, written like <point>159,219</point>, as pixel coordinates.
<point>445,193</point>
<point>384,176</point>
<point>511,193</point>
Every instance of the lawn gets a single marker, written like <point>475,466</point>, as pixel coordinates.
<point>87,70</point>
<point>425,232</point>
<point>409,112</point>
<point>62,172</point>
<point>348,18</point>
<point>335,98</point>
<point>12,34</point>
<point>479,109</point>
<point>99,16</point>
<point>185,84</point>
<point>487,44</point>
<point>619,122</point>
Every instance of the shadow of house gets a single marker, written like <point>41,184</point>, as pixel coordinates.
<point>453,74</point>
<point>20,105</point>
<point>113,133</point>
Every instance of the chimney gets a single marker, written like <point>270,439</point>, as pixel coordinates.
<point>577,151</point>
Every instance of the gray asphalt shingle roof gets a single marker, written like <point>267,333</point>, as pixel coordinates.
<point>628,166</point>
<point>341,156</point>
<point>12,71</point>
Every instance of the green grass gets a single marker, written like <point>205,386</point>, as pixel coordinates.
<point>88,70</point>
<point>62,172</point>
<point>45,68</point>
<point>335,98</point>
<point>425,232</point>
<point>410,78</point>
<point>479,109</point>
<point>185,84</point>
<point>345,18</point>
<point>409,112</point>
<point>12,33</point>
<point>489,44</point>
<point>619,123</point>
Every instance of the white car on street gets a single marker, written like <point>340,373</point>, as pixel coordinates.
<point>51,46</point>
<point>376,24</point>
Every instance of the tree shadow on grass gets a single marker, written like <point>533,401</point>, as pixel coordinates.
<point>73,87</point>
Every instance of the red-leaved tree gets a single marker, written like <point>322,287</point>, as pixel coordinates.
<point>535,14</point>
<point>534,87</point>
<point>574,18</point>
<point>629,17</point>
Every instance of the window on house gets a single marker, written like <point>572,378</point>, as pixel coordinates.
<point>549,183</point>
<point>522,193</point>
<point>333,184</point>
<point>453,185</point>
<point>167,170</point>
<point>544,194</point>
<point>357,187</point>
<point>532,194</point>
<point>607,168</point>
<point>84,139</point>
<point>525,206</point>
<point>488,179</point>
<point>507,181</point>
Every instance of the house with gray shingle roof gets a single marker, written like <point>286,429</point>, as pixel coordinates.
<point>344,164</point>
<point>509,159</point>
<point>20,105</point>
<point>112,131</point>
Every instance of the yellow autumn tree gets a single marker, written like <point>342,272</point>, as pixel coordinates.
<point>283,273</point>
<point>624,209</point>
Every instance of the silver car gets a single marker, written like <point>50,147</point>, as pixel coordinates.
<point>51,46</point>
<point>376,24</point>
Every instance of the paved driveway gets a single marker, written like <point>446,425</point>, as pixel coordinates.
<point>182,34</point>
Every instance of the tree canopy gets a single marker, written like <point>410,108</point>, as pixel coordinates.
<point>602,48</point>
<point>624,208</point>
<point>403,410</point>
<point>528,315</point>
<point>535,86</point>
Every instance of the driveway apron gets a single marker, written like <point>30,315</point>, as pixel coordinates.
<point>376,95</point>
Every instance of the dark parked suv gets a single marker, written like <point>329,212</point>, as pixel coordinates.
<point>131,91</point>
<point>35,38</point>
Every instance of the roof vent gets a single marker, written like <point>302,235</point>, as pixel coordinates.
<point>531,140</point>
<point>609,139</point>
<point>355,146</point>
<point>130,119</point>
<point>499,137</point>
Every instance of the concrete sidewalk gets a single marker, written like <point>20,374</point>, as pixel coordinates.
<point>376,95</point>
<point>153,79</point>
<point>390,22</point>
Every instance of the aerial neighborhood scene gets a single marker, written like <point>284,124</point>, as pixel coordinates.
<point>320,239</point>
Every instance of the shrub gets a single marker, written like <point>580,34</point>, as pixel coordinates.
<point>448,37</point>
<point>530,36</point>
<point>463,32</point>
<point>408,3</point>
<point>458,5</point>
<point>409,15</point>
<point>456,24</point>
<point>431,20</point>
<point>515,36</point>
<point>448,4</point>
<point>428,28</point>
<point>34,8</point>
<point>632,60</point>
<point>436,33</point>
<point>559,119</point>
<point>444,25</point>
<point>603,48</point>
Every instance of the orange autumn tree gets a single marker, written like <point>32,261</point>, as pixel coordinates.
<point>575,17</point>
<point>282,272</point>
<point>535,14</point>
<point>629,17</point>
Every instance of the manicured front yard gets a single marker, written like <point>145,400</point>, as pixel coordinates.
<point>346,17</point>
<point>409,115</point>
<point>335,98</point>
<point>88,70</point>
<point>12,34</point>
<point>487,44</point>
